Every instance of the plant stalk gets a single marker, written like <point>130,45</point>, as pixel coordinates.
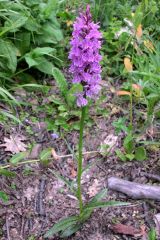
<point>80,146</point>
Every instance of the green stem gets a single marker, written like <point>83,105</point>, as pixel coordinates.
<point>131,111</point>
<point>80,146</point>
<point>131,107</point>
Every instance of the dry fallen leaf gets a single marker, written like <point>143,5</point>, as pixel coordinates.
<point>54,154</point>
<point>137,89</point>
<point>109,144</point>
<point>14,144</point>
<point>143,232</point>
<point>94,188</point>
<point>123,93</point>
<point>128,65</point>
<point>73,172</point>
<point>125,229</point>
<point>136,86</point>
<point>139,31</point>
<point>35,151</point>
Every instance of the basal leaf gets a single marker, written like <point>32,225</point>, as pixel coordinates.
<point>94,205</point>
<point>70,230</point>
<point>61,226</point>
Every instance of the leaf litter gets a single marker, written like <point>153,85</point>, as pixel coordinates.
<point>14,144</point>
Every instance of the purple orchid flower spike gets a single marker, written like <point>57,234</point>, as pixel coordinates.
<point>85,57</point>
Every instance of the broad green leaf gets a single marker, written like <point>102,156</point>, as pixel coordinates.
<point>22,41</point>
<point>13,24</point>
<point>128,144</point>
<point>35,57</point>
<point>7,173</point>
<point>18,157</point>
<point>121,155</point>
<point>32,24</point>
<point>60,80</point>
<point>140,153</point>
<point>8,54</point>
<point>40,51</point>
<point>50,7</point>
<point>49,34</point>
<point>130,156</point>
<point>61,226</point>
<point>41,63</point>
<point>4,196</point>
<point>45,66</point>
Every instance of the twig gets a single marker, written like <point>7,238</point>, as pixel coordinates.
<point>146,214</point>
<point>38,160</point>
<point>22,227</point>
<point>7,227</point>
<point>134,190</point>
<point>39,199</point>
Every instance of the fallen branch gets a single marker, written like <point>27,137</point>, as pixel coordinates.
<point>134,190</point>
<point>152,176</point>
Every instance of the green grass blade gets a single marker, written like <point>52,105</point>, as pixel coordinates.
<point>4,91</point>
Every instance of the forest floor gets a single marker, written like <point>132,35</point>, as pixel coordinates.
<point>38,199</point>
